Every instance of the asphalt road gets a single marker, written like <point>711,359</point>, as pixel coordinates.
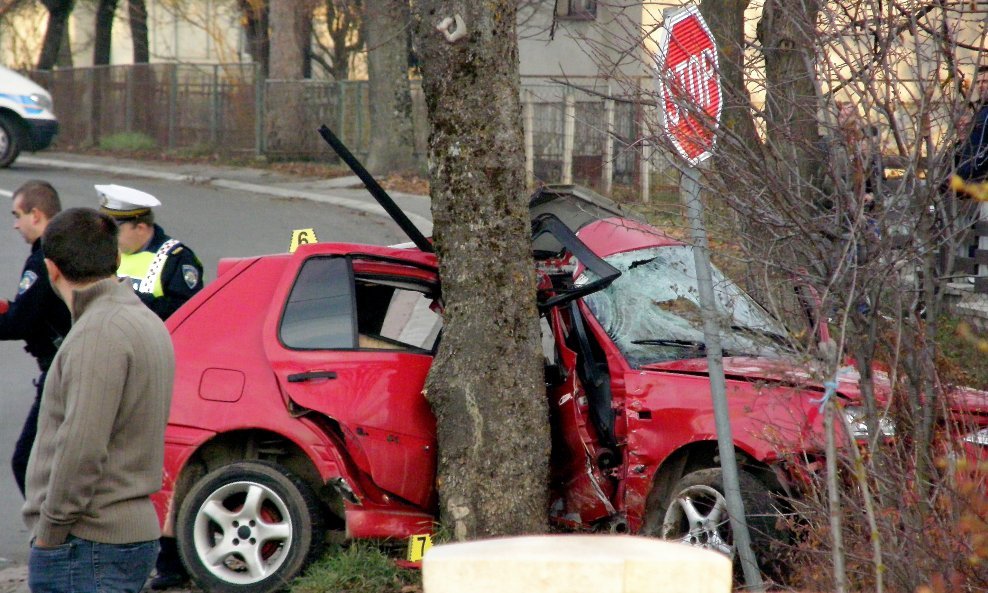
<point>253,215</point>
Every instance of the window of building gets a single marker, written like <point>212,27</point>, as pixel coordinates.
<point>576,9</point>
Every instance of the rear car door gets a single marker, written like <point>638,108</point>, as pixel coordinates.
<point>352,337</point>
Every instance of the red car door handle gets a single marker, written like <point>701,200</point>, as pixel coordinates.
<point>300,377</point>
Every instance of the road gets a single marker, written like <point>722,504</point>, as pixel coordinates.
<point>215,219</point>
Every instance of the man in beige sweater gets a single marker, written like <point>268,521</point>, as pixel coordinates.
<point>100,444</point>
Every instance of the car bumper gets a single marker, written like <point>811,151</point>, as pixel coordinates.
<point>40,133</point>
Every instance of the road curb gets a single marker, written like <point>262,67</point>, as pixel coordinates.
<point>424,224</point>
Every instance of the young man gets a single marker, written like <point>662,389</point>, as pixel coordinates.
<point>972,160</point>
<point>165,273</point>
<point>100,445</point>
<point>36,315</point>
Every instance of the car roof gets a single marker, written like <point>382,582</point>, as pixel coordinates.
<point>618,235</point>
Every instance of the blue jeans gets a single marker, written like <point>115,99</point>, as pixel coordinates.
<point>83,566</point>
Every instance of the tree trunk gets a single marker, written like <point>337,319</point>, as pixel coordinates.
<point>346,31</point>
<point>392,146</point>
<point>105,11</point>
<point>138,12</point>
<point>256,28</point>
<point>56,33</point>
<point>486,385</point>
<point>287,115</point>
<point>787,32</point>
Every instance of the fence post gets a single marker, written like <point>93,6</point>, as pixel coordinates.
<point>981,282</point>
<point>129,100</point>
<point>569,136</point>
<point>172,107</point>
<point>528,117</point>
<point>214,107</point>
<point>607,175</point>
<point>645,165</point>
<point>260,88</point>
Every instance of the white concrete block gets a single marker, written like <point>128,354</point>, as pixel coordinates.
<point>574,564</point>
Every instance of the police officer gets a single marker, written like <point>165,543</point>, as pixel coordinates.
<point>165,272</point>
<point>36,315</point>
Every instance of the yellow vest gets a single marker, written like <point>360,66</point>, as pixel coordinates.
<point>136,267</point>
<point>144,268</point>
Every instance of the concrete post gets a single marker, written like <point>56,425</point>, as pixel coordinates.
<point>569,136</point>
<point>574,564</point>
<point>982,239</point>
<point>528,118</point>
<point>645,169</point>
<point>607,175</point>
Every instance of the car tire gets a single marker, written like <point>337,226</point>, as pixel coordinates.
<point>695,513</point>
<point>11,140</point>
<point>248,527</point>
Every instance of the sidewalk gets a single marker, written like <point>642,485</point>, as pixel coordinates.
<point>14,579</point>
<point>347,192</point>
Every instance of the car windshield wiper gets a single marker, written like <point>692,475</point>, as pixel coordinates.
<point>695,345</point>
<point>777,338</point>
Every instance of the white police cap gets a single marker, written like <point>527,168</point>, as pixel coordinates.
<point>124,202</point>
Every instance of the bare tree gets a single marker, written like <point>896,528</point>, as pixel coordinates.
<point>255,13</point>
<point>137,11</point>
<point>57,32</point>
<point>486,385</point>
<point>105,12</point>
<point>344,27</point>
<point>392,146</point>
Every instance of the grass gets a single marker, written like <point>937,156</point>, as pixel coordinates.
<point>962,353</point>
<point>359,567</point>
<point>128,142</point>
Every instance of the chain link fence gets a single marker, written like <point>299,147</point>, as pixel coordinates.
<point>226,108</point>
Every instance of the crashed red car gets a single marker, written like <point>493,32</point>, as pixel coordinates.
<point>298,404</point>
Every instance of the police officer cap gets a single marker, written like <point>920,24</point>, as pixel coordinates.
<point>123,203</point>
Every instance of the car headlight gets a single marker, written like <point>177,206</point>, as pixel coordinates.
<point>859,428</point>
<point>42,101</point>
<point>978,438</point>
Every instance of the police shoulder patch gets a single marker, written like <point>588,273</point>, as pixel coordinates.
<point>191,275</point>
<point>27,281</point>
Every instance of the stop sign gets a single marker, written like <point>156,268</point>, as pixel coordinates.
<point>688,84</point>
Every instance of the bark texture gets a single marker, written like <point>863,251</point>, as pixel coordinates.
<point>105,11</point>
<point>56,33</point>
<point>137,10</point>
<point>787,32</point>
<point>287,114</point>
<point>392,146</point>
<point>255,22</point>
<point>486,385</point>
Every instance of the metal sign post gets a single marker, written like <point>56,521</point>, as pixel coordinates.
<point>688,84</point>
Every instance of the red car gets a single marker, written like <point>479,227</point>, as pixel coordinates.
<point>298,403</point>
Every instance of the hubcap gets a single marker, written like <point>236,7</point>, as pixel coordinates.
<point>698,517</point>
<point>243,532</point>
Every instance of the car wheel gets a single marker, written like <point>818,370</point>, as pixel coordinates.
<point>10,140</point>
<point>696,514</point>
<point>248,527</point>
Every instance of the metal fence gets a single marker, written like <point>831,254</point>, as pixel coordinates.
<point>228,108</point>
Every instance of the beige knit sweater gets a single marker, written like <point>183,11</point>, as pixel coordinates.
<point>100,443</point>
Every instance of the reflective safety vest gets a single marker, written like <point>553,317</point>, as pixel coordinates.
<point>144,268</point>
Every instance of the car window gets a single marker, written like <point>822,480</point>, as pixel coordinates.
<point>319,312</point>
<point>396,315</point>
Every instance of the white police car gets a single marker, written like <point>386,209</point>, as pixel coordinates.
<point>27,120</point>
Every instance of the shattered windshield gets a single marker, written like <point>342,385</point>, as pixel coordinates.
<point>652,311</point>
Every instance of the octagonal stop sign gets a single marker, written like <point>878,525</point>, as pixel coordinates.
<point>688,84</point>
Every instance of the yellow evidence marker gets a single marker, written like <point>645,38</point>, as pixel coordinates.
<point>302,237</point>
<point>417,545</point>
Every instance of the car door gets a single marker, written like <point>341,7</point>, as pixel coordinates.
<point>352,338</point>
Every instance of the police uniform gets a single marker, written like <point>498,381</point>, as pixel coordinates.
<point>165,273</point>
<point>39,317</point>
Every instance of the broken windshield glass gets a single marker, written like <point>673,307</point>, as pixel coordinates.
<point>653,309</point>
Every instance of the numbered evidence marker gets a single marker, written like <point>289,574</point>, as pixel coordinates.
<point>417,545</point>
<point>302,237</point>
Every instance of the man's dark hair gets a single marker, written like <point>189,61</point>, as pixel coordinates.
<point>83,244</point>
<point>41,195</point>
<point>982,68</point>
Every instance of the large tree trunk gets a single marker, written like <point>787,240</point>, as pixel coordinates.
<point>105,11</point>
<point>392,146</point>
<point>137,10</point>
<point>787,32</point>
<point>486,385</point>
<point>256,28</point>
<point>287,115</point>
<point>56,33</point>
